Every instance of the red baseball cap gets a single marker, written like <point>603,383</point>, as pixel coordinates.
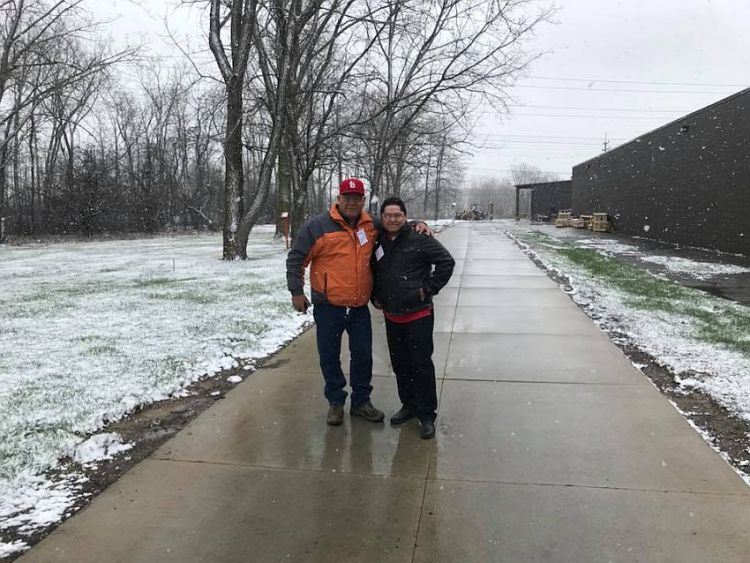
<point>352,186</point>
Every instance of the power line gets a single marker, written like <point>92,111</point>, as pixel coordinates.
<point>551,152</point>
<point>620,90</point>
<point>591,80</point>
<point>546,136</point>
<point>652,118</point>
<point>602,109</point>
<point>490,171</point>
<point>507,169</point>
<point>572,143</point>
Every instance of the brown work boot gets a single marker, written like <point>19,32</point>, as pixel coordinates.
<point>368,412</point>
<point>335,415</point>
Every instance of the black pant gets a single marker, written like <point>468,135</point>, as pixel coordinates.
<point>410,347</point>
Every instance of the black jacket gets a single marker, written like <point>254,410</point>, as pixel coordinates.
<point>404,265</point>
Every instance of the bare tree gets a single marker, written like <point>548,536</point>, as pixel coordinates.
<point>329,50</point>
<point>306,53</point>
<point>528,174</point>
<point>525,173</point>
<point>440,52</point>
<point>498,192</point>
<point>241,18</point>
<point>44,51</point>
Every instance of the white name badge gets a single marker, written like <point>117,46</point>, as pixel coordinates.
<point>362,236</point>
<point>379,253</point>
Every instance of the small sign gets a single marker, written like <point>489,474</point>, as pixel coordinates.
<point>362,236</point>
<point>284,214</point>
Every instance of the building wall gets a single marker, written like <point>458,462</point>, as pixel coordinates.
<point>550,197</point>
<point>543,198</point>
<point>686,183</point>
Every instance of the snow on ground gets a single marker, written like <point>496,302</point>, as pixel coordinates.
<point>698,270</point>
<point>609,247</point>
<point>99,447</point>
<point>89,331</point>
<point>669,337</point>
<point>8,549</point>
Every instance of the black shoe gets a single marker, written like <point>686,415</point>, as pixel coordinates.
<point>427,429</point>
<point>403,415</point>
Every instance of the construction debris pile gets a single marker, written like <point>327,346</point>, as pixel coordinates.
<point>597,222</point>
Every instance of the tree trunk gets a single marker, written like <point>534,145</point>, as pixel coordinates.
<point>16,172</point>
<point>4,172</point>
<point>284,183</point>
<point>439,179</point>
<point>234,178</point>
<point>425,203</point>
<point>33,186</point>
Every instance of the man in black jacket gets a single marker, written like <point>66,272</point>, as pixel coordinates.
<point>405,283</point>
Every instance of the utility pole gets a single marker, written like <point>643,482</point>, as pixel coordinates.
<point>605,145</point>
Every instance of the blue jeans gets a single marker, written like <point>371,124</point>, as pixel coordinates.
<point>331,321</point>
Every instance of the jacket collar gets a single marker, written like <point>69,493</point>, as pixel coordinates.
<point>402,233</point>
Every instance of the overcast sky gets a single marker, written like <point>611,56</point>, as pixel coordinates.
<point>618,69</point>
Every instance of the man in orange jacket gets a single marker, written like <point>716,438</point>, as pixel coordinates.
<point>338,245</point>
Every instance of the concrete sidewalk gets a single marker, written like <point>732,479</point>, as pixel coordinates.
<point>550,447</point>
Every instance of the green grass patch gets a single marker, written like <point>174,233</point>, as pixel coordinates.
<point>37,308</point>
<point>36,296</point>
<point>248,289</point>
<point>84,290</point>
<point>102,350</point>
<point>713,320</point>
<point>87,338</point>
<point>53,294</point>
<point>155,282</point>
<point>539,238</point>
<point>727,326</point>
<point>190,296</point>
<point>247,328</point>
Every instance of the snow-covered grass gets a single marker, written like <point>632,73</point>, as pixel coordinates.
<point>704,340</point>
<point>90,331</point>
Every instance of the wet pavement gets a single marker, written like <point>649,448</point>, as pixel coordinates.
<point>550,446</point>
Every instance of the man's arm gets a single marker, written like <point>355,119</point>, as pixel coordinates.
<point>419,226</point>
<point>444,263</point>
<point>296,261</point>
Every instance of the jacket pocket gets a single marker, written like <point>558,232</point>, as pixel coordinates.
<point>408,293</point>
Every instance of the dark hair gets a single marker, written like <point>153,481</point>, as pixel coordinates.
<point>393,200</point>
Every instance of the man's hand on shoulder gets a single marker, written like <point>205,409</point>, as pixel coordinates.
<point>300,303</point>
<point>422,228</point>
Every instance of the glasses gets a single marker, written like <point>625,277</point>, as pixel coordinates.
<point>393,216</point>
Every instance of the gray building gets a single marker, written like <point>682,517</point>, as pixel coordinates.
<point>545,198</point>
<point>687,182</point>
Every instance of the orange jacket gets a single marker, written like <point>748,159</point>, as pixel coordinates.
<point>339,258</point>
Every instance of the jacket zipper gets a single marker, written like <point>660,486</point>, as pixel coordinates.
<point>356,262</point>
<point>355,241</point>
